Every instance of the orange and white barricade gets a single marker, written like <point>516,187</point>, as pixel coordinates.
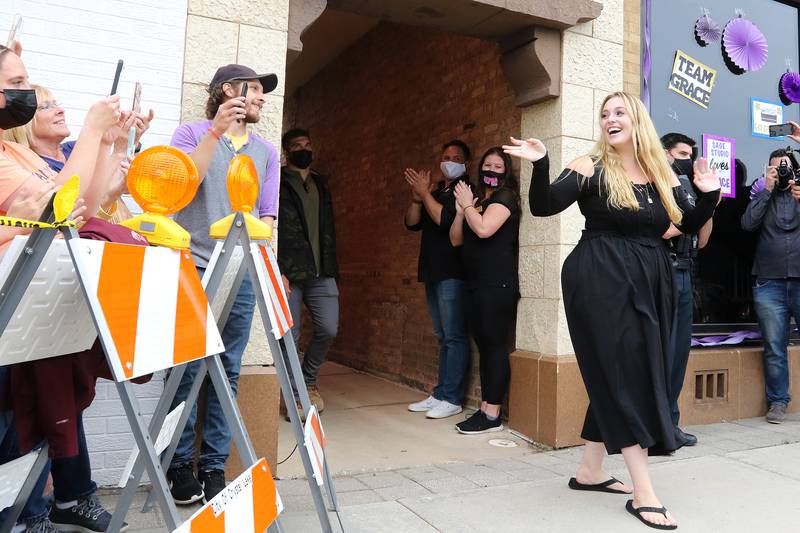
<point>146,305</point>
<point>248,504</point>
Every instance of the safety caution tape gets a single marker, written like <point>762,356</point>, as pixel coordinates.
<point>63,205</point>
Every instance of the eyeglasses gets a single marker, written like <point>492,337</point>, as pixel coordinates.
<point>48,105</point>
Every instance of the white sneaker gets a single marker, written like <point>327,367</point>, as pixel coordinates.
<point>425,405</point>
<point>443,410</point>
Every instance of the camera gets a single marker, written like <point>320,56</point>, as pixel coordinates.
<point>788,172</point>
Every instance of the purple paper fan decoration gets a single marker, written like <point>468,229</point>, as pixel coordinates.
<point>706,31</point>
<point>789,88</point>
<point>744,45</point>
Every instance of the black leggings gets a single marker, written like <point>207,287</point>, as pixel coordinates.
<point>492,313</point>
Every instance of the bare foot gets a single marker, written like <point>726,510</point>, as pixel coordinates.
<point>590,477</point>
<point>654,518</point>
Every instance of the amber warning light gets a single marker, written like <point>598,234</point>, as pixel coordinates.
<point>162,180</point>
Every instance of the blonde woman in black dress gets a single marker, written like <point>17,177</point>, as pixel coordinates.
<point>618,293</point>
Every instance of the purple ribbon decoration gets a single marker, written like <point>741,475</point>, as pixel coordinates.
<point>647,59</point>
<point>737,337</point>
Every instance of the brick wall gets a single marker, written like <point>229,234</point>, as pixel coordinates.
<point>632,47</point>
<point>387,103</point>
<point>72,48</point>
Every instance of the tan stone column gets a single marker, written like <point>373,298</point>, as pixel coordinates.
<point>248,32</point>
<point>547,398</point>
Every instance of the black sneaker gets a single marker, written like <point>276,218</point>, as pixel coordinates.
<point>41,525</point>
<point>478,423</point>
<point>88,516</point>
<point>213,482</point>
<point>183,485</point>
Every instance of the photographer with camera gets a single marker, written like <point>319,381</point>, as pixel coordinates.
<point>774,212</point>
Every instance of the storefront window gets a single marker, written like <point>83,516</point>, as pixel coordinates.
<point>701,85</point>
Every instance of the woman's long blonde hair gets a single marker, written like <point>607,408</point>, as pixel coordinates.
<point>649,156</point>
<point>24,134</point>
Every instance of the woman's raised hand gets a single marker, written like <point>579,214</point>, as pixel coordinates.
<point>530,149</point>
<point>706,180</point>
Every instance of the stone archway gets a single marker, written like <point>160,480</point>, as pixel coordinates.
<point>529,33</point>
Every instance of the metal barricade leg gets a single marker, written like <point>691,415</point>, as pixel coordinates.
<point>25,491</point>
<point>148,455</point>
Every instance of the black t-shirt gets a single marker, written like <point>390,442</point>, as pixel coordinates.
<point>492,262</point>
<point>438,259</point>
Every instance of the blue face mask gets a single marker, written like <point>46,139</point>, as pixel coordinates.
<point>453,170</point>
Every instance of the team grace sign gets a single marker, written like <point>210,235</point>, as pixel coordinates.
<point>720,154</point>
<point>692,79</point>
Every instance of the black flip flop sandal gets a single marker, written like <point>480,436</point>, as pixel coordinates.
<point>574,484</point>
<point>637,512</point>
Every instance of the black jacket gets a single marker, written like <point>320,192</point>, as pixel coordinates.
<point>295,256</point>
<point>776,217</point>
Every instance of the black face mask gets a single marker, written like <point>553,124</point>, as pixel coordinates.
<point>492,179</point>
<point>684,167</point>
<point>20,108</point>
<point>301,158</point>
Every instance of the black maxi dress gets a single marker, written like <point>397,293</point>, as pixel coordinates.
<point>618,297</point>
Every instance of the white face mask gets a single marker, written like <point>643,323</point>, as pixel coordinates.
<point>453,170</point>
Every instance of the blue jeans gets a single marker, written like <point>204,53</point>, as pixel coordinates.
<point>681,340</point>
<point>37,505</point>
<point>776,300</point>
<point>216,443</point>
<point>446,306</point>
<point>72,476</point>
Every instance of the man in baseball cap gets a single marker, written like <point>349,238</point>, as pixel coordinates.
<point>212,144</point>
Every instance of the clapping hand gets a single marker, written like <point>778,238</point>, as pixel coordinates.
<point>705,179</point>
<point>464,196</point>
<point>530,149</point>
<point>420,182</point>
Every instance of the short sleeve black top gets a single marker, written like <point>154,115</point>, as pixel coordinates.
<point>492,262</point>
<point>438,259</point>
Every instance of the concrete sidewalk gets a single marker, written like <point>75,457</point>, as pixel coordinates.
<point>742,477</point>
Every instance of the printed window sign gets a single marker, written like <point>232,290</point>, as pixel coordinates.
<point>720,152</point>
<point>692,79</point>
<point>763,115</point>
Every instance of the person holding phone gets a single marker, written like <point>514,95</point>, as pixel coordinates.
<point>774,215</point>
<point>45,135</point>
<point>212,144</point>
<point>26,186</point>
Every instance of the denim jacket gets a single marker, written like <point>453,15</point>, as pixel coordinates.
<point>775,215</point>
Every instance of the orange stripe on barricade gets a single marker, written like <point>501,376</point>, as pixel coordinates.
<point>206,522</point>
<point>281,329</point>
<point>317,428</point>
<point>118,289</point>
<point>191,314</point>
<point>277,284</point>
<point>265,505</point>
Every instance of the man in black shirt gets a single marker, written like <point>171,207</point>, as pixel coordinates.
<point>774,212</point>
<point>683,248</point>
<point>307,253</point>
<point>440,268</point>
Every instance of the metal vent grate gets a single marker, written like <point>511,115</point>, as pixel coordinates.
<point>711,386</point>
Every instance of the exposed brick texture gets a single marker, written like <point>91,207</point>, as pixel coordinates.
<point>387,103</point>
